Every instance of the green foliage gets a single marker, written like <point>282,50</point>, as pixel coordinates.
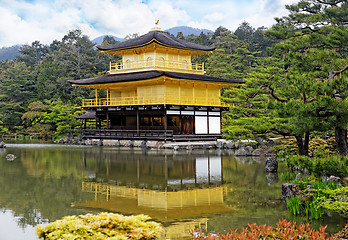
<point>287,176</point>
<point>314,49</point>
<point>16,90</point>
<point>318,147</point>
<point>285,148</point>
<point>32,54</point>
<point>283,230</point>
<point>3,130</point>
<point>313,211</point>
<point>254,38</point>
<point>52,116</point>
<point>343,233</point>
<point>253,113</point>
<point>320,196</point>
<point>293,204</point>
<point>101,226</point>
<point>325,166</point>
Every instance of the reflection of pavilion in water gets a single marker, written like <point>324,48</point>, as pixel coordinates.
<point>179,191</point>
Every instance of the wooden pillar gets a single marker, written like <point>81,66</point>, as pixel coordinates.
<point>96,96</point>
<point>165,119</point>
<point>208,122</point>
<point>180,127</point>
<point>222,170</point>
<point>107,120</point>
<point>138,122</point>
<point>108,97</point>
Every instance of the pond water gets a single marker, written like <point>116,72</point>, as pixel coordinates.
<point>207,189</point>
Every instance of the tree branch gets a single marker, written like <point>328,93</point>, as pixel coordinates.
<point>271,91</point>
<point>333,4</point>
<point>276,131</point>
<point>335,73</point>
<point>305,100</point>
<point>326,114</point>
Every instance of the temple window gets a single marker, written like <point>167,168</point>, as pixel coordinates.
<point>149,61</point>
<point>161,62</point>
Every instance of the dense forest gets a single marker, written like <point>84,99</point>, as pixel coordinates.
<point>295,77</point>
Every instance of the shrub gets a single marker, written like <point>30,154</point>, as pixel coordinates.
<point>101,226</point>
<point>319,147</point>
<point>283,230</point>
<point>285,147</point>
<point>294,204</point>
<point>325,166</point>
<point>317,198</point>
<point>343,233</point>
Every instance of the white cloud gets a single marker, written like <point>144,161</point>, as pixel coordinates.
<point>168,15</point>
<point>214,17</point>
<point>24,21</point>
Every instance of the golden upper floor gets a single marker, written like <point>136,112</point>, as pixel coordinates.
<point>159,61</point>
<point>156,50</point>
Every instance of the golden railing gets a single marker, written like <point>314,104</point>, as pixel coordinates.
<point>156,64</point>
<point>153,100</point>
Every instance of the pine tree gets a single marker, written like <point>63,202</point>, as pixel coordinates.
<point>315,45</point>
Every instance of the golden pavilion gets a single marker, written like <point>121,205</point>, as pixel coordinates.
<point>156,92</point>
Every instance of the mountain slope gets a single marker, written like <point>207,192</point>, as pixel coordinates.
<point>9,53</point>
<point>99,40</point>
<point>187,30</point>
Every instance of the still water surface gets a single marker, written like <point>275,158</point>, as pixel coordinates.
<point>210,190</point>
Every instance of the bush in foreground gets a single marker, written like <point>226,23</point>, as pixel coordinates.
<point>283,230</point>
<point>101,226</point>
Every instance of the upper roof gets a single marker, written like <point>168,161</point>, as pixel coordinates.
<point>136,76</point>
<point>155,36</point>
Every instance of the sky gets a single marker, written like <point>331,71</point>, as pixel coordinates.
<point>25,21</point>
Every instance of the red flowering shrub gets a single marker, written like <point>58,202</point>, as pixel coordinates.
<point>283,230</point>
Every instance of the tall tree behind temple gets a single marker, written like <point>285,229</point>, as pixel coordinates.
<point>104,58</point>
<point>231,58</point>
<point>72,58</point>
<point>203,39</point>
<point>76,55</point>
<point>253,114</point>
<point>16,91</point>
<point>32,54</point>
<point>254,38</point>
<point>315,47</point>
<point>245,32</point>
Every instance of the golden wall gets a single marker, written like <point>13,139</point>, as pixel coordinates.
<point>169,93</point>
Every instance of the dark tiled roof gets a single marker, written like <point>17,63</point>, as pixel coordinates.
<point>160,37</point>
<point>136,76</point>
<point>87,115</point>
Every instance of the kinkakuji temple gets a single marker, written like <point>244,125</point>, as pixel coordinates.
<point>156,92</point>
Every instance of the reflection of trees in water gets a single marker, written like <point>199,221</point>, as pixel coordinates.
<point>40,184</point>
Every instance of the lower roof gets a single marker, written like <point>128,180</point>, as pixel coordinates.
<point>136,76</point>
<point>87,115</point>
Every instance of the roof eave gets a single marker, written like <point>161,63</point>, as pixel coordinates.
<point>111,51</point>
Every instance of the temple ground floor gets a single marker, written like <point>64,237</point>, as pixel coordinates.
<point>159,122</point>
